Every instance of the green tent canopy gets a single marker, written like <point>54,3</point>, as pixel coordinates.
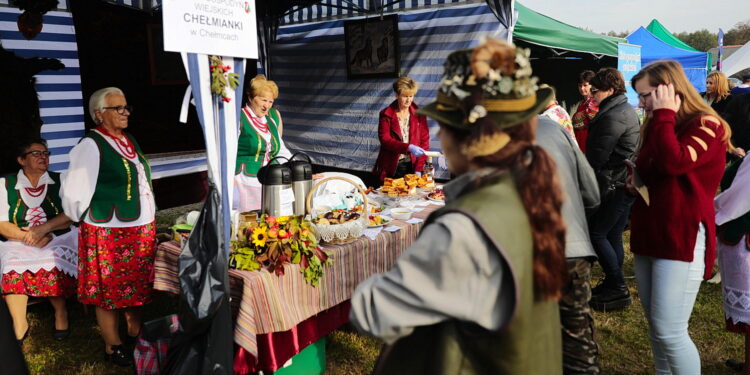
<point>536,28</point>
<point>661,32</point>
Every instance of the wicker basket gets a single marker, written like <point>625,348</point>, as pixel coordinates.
<point>339,233</point>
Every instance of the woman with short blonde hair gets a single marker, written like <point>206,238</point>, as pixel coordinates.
<point>259,141</point>
<point>403,134</point>
<point>405,85</point>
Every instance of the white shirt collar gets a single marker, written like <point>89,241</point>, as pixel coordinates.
<point>23,181</point>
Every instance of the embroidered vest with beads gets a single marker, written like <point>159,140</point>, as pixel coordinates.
<point>51,205</point>
<point>117,192</point>
<point>251,147</point>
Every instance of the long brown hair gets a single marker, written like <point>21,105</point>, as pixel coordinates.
<point>536,180</point>
<point>663,72</point>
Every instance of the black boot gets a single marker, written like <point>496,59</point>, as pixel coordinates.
<point>611,299</point>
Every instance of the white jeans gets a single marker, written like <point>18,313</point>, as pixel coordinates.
<point>667,289</point>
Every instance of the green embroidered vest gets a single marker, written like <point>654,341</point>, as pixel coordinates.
<point>251,148</point>
<point>531,341</point>
<point>731,232</point>
<point>117,192</point>
<point>51,205</point>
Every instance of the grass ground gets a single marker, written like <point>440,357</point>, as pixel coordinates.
<point>622,337</point>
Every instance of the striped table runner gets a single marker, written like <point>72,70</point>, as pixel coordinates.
<point>265,303</point>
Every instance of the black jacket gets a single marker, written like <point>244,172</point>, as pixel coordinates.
<point>738,116</point>
<point>721,106</point>
<point>613,137</point>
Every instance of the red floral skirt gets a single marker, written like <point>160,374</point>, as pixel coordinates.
<point>53,283</point>
<point>116,265</point>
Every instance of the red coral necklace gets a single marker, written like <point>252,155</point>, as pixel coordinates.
<point>35,192</point>
<point>256,122</point>
<point>126,147</point>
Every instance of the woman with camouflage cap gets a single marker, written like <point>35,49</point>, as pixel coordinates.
<point>477,292</point>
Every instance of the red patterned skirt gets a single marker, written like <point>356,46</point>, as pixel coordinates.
<point>53,283</point>
<point>116,265</point>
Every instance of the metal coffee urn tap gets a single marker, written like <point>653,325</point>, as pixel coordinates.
<point>276,182</point>
<point>301,180</point>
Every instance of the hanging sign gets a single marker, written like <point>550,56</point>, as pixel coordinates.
<point>212,27</point>
<point>629,63</point>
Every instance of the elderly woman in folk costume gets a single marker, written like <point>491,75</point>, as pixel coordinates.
<point>477,291</point>
<point>259,141</point>
<point>39,257</point>
<point>108,189</point>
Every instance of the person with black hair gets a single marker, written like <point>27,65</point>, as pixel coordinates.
<point>39,257</point>
<point>585,110</point>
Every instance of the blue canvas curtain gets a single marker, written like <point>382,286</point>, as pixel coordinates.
<point>503,10</point>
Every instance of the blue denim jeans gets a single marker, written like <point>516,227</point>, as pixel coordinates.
<point>667,289</point>
<point>605,229</point>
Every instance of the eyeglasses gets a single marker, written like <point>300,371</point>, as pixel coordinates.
<point>593,90</point>
<point>37,153</point>
<point>120,109</point>
<point>643,97</point>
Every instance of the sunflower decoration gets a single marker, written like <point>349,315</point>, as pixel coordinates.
<point>259,236</point>
<point>275,242</point>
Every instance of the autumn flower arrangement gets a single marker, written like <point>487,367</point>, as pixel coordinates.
<point>277,241</point>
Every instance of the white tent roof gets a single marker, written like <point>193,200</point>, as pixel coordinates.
<point>738,61</point>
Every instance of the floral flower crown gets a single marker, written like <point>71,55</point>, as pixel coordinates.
<point>499,72</point>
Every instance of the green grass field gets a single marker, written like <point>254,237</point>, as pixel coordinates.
<point>622,337</point>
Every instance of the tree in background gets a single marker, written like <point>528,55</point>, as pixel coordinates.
<point>701,40</point>
<point>739,34</point>
<point>621,34</point>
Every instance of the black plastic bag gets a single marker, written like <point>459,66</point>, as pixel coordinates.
<point>205,345</point>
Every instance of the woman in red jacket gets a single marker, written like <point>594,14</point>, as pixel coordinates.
<point>681,162</point>
<point>404,135</point>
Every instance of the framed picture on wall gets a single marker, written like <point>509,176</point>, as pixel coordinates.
<point>372,48</point>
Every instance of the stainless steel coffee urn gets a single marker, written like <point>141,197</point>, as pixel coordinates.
<point>301,180</point>
<point>276,192</point>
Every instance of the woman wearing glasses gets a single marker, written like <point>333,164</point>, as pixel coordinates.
<point>612,139</point>
<point>39,257</point>
<point>108,190</point>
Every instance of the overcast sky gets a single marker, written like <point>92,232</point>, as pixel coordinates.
<point>628,15</point>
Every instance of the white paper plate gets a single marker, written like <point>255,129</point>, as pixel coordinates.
<point>388,221</point>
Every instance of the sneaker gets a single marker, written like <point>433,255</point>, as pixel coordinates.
<point>611,299</point>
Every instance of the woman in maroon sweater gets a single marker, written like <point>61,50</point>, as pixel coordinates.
<point>404,135</point>
<point>681,162</point>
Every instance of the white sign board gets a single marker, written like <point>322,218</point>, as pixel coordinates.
<point>212,27</point>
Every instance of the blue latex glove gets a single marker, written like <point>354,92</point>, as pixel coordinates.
<point>416,151</point>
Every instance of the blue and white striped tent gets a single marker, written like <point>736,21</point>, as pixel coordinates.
<point>347,8</point>
<point>335,120</point>
<point>326,115</point>
<point>60,97</point>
